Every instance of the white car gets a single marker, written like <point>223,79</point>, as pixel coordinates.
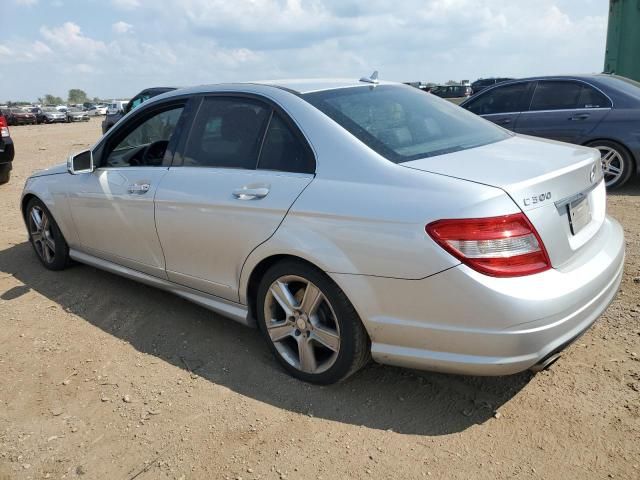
<point>116,106</point>
<point>346,220</point>
<point>97,110</point>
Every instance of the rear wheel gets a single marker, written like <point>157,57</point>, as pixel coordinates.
<point>45,236</point>
<point>617,163</point>
<point>310,325</point>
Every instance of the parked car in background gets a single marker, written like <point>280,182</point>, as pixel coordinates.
<point>6,151</point>
<point>452,91</point>
<point>97,110</point>
<point>113,116</point>
<point>18,116</point>
<point>600,111</point>
<point>75,114</point>
<point>39,113</point>
<point>61,108</point>
<point>258,217</point>
<point>53,115</point>
<point>483,83</point>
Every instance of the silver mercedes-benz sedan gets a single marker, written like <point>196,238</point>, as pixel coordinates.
<point>347,220</point>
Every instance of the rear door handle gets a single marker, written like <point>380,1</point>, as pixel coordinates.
<point>581,116</point>
<point>139,188</point>
<point>503,121</point>
<point>255,193</point>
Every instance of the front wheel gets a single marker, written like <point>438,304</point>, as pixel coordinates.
<point>617,164</point>
<point>310,325</point>
<point>45,236</point>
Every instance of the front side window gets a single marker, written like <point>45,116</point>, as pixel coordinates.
<point>227,133</point>
<point>147,143</point>
<point>402,124</point>
<point>566,95</point>
<point>506,99</point>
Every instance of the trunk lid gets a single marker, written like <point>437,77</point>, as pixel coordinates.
<point>558,186</point>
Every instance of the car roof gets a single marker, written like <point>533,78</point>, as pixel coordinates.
<point>296,86</point>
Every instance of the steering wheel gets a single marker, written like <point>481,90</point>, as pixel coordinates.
<point>154,152</point>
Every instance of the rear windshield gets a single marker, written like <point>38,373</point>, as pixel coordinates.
<point>625,85</point>
<point>403,123</point>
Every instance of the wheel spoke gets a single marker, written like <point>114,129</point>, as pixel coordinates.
<point>46,252</point>
<point>36,236</point>
<point>50,243</point>
<point>306,355</point>
<point>283,296</point>
<point>327,337</point>
<point>45,222</point>
<point>606,158</point>
<point>280,330</point>
<point>37,220</point>
<point>613,170</point>
<point>311,300</point>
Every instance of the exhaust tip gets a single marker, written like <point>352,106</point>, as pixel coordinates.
<point>546,363</point>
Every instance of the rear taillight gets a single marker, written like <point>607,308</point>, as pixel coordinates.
<point>4,129</point>
<point>506,246</point>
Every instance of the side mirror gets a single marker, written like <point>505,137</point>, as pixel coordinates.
<point>80,163</point>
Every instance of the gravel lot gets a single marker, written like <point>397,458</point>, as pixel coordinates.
<point>103,378</point>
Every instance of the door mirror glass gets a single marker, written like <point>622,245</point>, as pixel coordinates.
<point>80,163</point>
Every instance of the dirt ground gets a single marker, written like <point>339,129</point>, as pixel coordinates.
<point>103,378</point>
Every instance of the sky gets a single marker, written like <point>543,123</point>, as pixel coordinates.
<point>115,48</point>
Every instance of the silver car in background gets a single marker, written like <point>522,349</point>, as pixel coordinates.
<point>347,220</point>
<point>75,114</point>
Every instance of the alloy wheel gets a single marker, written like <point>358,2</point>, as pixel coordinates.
<point>302,324</point>
<point>612,164</point>
<point>41,234</point>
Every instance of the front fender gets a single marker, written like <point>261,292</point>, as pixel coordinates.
<point>50,189</point>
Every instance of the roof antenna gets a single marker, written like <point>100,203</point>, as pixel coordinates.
<point>372,79</point>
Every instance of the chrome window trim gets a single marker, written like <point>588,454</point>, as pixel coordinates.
<point>568,110</point>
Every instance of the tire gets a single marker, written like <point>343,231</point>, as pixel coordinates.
<point>617,162</point>
<point>323,342</point>
<point>5,173</point>
<point>46,238</point>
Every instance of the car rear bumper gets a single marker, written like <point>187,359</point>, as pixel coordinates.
<point>460,321</point>
<point>7,152</point>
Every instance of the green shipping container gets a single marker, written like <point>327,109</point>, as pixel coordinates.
<point>622,56</point>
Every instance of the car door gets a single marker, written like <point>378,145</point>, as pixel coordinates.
<point>215,205</point>
<point>112,206</point>
<point>501,105</point>
<point>565,110</point>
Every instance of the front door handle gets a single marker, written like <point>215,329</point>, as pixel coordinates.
<point>503,121</point>
<point>139,188</point>
<point>246,193</point>
<point>581,116</point>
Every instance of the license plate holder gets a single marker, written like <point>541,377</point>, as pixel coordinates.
<point>579,214</point>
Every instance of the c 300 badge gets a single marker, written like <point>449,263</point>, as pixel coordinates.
<point>543,197</point>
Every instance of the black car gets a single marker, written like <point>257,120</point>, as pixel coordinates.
<point>111,119</point>
<point>600,111</point>
<point>483,83</point>
<point>39,113</point>
<point>452,91</point>
<point>6,151</point>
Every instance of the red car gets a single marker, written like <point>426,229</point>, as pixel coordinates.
<point>17,116</point>
<point>6,151</point>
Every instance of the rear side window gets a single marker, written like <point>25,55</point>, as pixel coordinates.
<point>506,99</point>
<point>227,133</point>
<point>284,151</point>
<point>566,95</point>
